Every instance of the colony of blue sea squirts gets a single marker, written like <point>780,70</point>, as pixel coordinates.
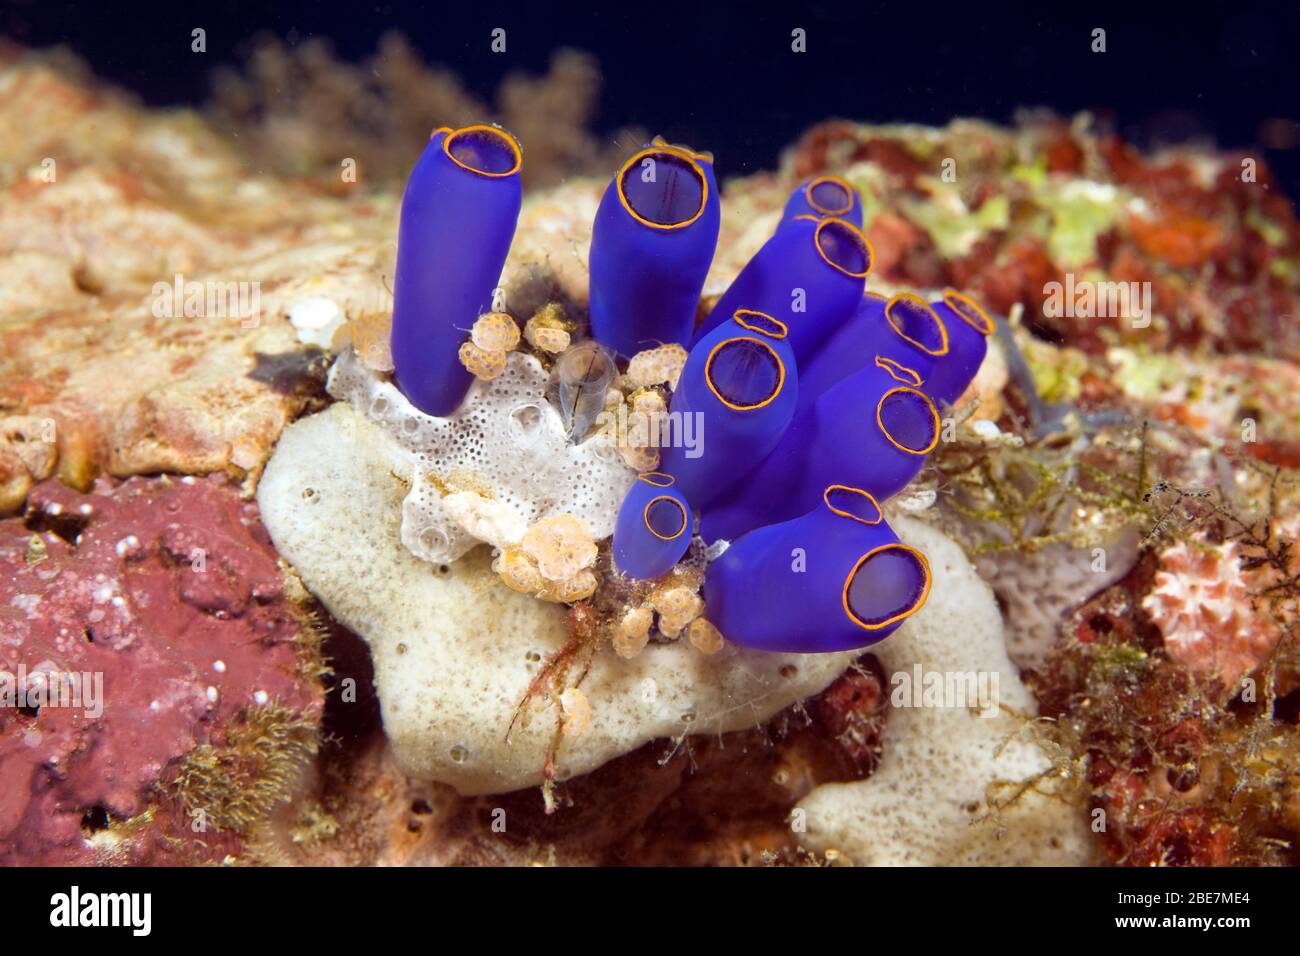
<point>818,400</point>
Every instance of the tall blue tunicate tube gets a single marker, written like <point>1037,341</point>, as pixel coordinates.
<point>459,213</point>
<point>833,579</point>
<point>902,331</point>
<point>868,431</point>
<point>808,276</point>
<point>739,386</point>
<point>651,247</point>
<point>824,196</point>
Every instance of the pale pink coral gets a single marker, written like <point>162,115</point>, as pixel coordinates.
<point>1202,603</point>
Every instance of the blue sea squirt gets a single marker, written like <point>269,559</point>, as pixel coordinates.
<point>459,212</point>
<point>814,400</point>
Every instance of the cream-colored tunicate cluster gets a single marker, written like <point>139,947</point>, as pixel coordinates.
<point>673,606</point>
<point>661,365</point>
<point>548,330</point>
<point>637,435</point>
<point>633,631</point>
<point>677,607</point>
<point>644,409</point>
<point>493,337</point>
<point>552,561</point>
<point>704,636</point>
<point>496,334</point>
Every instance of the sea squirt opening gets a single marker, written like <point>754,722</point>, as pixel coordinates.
<point>899,372</point>
<point>666,518</point>
<point>830,196</point>
<point>968,310</point>
<point>484,149</point>
<point>844,247</point>
<point>887,584</point>
<point>762,323</point>
<point>912,318</point>
<point>663,188</point>
<point>853,503</point>
<point>909,420</point>
<point>745,373</point>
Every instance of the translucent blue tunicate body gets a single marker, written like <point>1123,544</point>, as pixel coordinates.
<point>651,247</point>
<point>835,578</point>
<point>968,331</point>
<point>809,276</point>
<point>458,217</point>
<point>739,385</point>
<point>653,528</point>
<point>869,431</point>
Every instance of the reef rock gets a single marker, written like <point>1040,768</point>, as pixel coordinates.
<point>943,793</point>
<point>455,650</point>
<point>120,372</point>
<point>158,611</point>
<point>1039,589</point>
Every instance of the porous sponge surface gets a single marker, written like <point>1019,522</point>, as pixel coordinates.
<point>927,803</point>
<point>454,649</point>
<point>505,442</point>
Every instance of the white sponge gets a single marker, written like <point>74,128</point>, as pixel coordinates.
<point>505,442</point>
<point>928,802</point>
<point>455,649</point>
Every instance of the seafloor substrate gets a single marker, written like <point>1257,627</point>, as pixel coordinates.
<point>1168,671</point>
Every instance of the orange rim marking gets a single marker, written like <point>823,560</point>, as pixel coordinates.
<point>676,153</point>
<point>704,156</point>
<point>826,497</point>
<point>645,516</point>
<point>863,242</point>
<point>848,191</point>
<point>780,382</point>
<point>898,371</point>
<point>902,615</point>
<point>758,328</point>
<point>969,311</point>
<point>659,479</point>
<point>483,128</point>
<point>934,441</point>
<point>917,300</point>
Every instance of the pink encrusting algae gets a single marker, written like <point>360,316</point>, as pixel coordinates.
<point>166,600</point>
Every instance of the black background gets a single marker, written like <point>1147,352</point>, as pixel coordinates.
<point>367,912</point>
<point>722,75</point>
